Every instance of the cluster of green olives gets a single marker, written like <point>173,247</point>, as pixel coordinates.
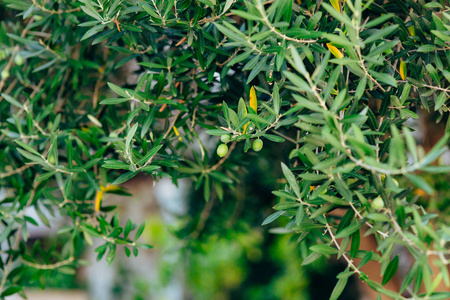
<point>222,150</point>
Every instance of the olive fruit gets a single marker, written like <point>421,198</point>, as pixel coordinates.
<point>4,74</point>
<point>378,203</point>
<point>222,150</point>
<point>51,159</point>
<point>225,138</point>
<point>18,60</point>
<point>257,145</point>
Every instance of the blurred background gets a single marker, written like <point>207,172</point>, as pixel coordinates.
<point>202,250</point>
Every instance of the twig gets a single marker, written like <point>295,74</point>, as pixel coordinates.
<point>54,12</point>
<point>98,84</point>
<point>159,13</point>
<point>43,44</point>
<point>229,58</point>
<point>383,234</point>
<point>16,171</point>
<point>165,135</point>
<point>49,266</point>
<point>285,137</point>
<point>266,22</point>
<point>203,218</point>
<point>333,238</point>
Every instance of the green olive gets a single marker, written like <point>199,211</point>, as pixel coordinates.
<point>222,150</point>
<point>4,74</point>
<point>225,138</point>
<point>18,60</point>
<point>51,159</point>
<point>378,203</point>
<point>257,145</point>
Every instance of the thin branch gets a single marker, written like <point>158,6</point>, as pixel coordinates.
<point>333,238</point>
<point>285,137</point>
<point>49,266</point>
<point>383,234</point>
<point>43,44</point>
<point>98,84</point>
<point>229,58</point>
<point>266,22</point>
<point>203,218</point>
<point>159,13</point>
<point>16,171</point>
<point>54,12</point>
<point>172,124</point>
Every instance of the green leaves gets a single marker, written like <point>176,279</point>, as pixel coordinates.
<point>290,179</point>
<point>334,89</point>
<point>390,271</point>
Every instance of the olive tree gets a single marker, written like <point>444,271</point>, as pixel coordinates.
<point>333,83</point>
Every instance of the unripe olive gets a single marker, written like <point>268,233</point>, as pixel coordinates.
<point>18,60</point>
<point>378,203</point>
<point>4,74</point>
<point>51,160</point>
<point>225,138</point>
<point>257,145</point>
<point>222,150</point>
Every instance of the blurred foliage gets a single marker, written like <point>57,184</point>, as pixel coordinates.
<point>95,92</point>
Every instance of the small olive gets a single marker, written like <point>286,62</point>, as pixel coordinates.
<point>4,74</point>
<point>378,203</point>
<point>51,159</point>
<point>257,145</point>
<point>18,60</point>
<point>222,150</point>
<point>225,138</point>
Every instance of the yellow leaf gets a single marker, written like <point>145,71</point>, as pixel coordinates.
<point>98,199</point>
<point>110,188</point>
<point>177,133</point>
<point>335,51</point>
<point>402,70</point>
<point>335,4</point>
<point>420,192</point>
<point>412,30</point>
<point>253,100</point>
<point>99,194</point>
<point>299,2</point>
<point>253,105</point>
<point>245,128</point>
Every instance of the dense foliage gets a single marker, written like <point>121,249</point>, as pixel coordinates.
<point>334,84</point>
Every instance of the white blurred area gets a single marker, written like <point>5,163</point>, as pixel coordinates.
<point>158,204</point>
<point>52,295</point>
